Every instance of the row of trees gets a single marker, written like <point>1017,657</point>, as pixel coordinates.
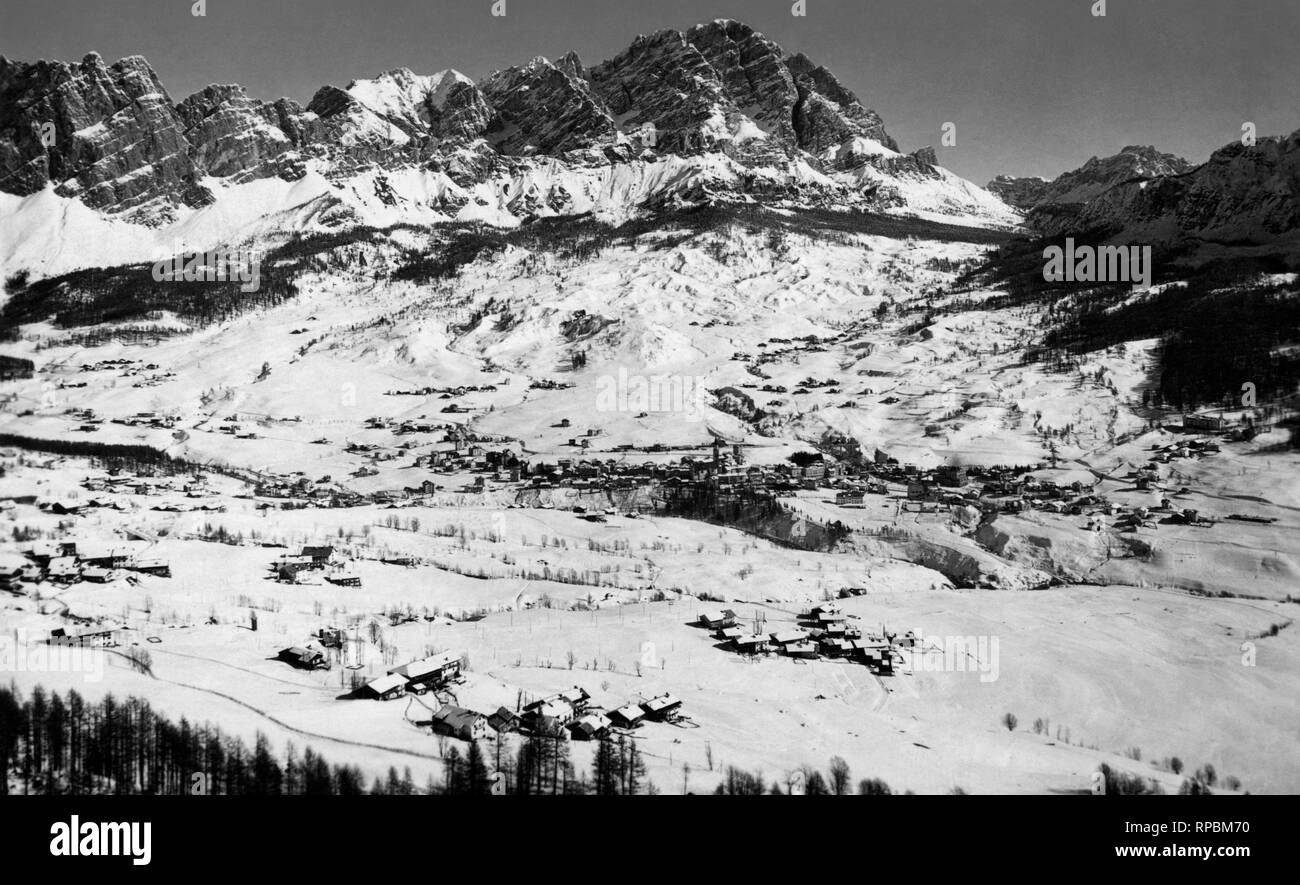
<point>62,744</point>
<point>542,767</point>
<point>807,781</point>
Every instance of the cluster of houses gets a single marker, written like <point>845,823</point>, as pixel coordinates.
<point>68,562</point>
<point>315,558</point>
<point>148,419</point>
<point>567,713</point>
<point>1182,449</point>
<point>824,632</point>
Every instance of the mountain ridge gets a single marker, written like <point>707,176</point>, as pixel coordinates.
<point>752,122</point>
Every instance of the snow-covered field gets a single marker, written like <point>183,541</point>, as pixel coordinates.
<point>1121,652</point>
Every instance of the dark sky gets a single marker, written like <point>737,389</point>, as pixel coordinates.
<point>1034,87</point>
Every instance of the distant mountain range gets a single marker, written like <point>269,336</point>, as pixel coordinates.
<point>1242,195</point>
<point>101,154</point>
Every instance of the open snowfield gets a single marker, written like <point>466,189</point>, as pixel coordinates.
<point>1121,651</point>
<point>1107,667</point>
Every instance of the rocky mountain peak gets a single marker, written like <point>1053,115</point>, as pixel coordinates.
<point>717,88</point>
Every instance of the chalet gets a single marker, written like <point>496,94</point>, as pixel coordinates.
<point>428,672</point>
<point>716,619</point>
<point>385,688</point>
<point>460,723</point>
<point>835,647</point>
<point>577,698</point>
<point>304,658</point>
<point>344,580</point>
<point>46,552</point>
<point>878,659</point>
<point>554,709</point>
<point>97,575</point>
<point>663,708</point>
<point>319,556</point>
<point>751,645</point>
<point>503,720</point>
<point>106,559</point>
<point>155,567</point>
<point>784,638</point>
<point>63,569</point>
<point>849,498</point>
<point>804,649</point>
<point>628,716</point>
<point>730,634</point>
<point>13,569</point>
<point>589,727</point>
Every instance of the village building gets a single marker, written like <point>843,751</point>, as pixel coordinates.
<point>63,569</point>
<point>460,723</point>
<point>663,708</point>
<point>304,658</point>
<point>627,716</point>
<point>716,619</point>
<point>576,697</point>
<point>784,638</point>
<point>428,672</point>
<point>385,688</point>
<point>589,727</point>
<point>553,710</point>
<point>504,720</point>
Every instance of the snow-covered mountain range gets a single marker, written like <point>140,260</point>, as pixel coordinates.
<point>101,153</point>
<point>1243,194</point>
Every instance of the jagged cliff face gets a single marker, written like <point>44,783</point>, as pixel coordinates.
<point>117,140</point>
<point>1241,194</point>
<point>749,121</point>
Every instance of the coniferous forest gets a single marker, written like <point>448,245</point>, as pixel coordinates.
<point>52,744</point>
